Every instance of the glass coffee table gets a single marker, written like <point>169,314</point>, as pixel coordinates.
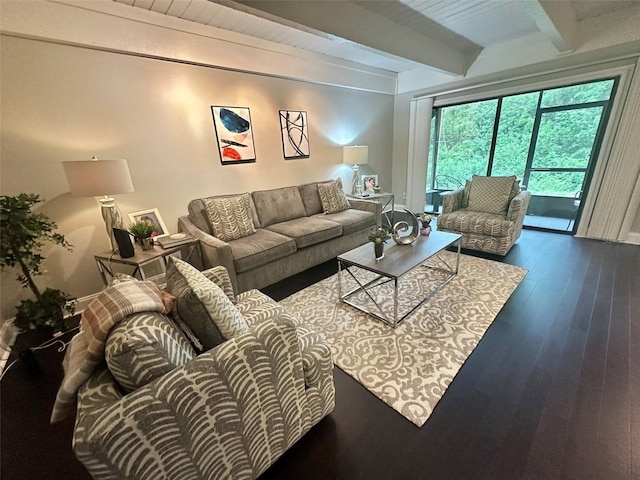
<point>398,260</point>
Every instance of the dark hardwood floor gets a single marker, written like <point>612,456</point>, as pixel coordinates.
<point>551,392</point>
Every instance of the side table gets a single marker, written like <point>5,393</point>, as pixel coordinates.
<point>386,199</point>
<point>143,258</point>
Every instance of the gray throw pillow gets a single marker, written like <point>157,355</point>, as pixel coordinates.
<point>203,305</point>
<point>490,194</point>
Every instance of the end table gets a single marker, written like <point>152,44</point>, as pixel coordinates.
<point>143,258</point>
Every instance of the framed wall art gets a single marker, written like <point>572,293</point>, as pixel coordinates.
<point>151,215</point>
<point>295,134</point>
<point>234,133</point>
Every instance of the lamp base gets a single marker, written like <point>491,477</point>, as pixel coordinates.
<point>112,218</point>
<point>356,188</point>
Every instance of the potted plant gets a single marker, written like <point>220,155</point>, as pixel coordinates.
<point>425,220</point>
<point>24,233</point>
<point>379,237</point>
<point>143,233</point>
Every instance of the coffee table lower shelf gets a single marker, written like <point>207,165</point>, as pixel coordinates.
<point>424,258</point>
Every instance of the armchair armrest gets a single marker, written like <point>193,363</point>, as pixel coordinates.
<point>368,206</point>
<point>452,201</point>
<point>214,251</point>
<point>518,207</point>
<point>231,412</point>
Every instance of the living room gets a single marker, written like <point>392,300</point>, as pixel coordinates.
<point>105,79</point>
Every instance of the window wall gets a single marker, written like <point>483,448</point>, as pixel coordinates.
<point>549,139</point>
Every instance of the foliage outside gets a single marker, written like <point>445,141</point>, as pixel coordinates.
<point>23,234</point>
<point>565,138</point>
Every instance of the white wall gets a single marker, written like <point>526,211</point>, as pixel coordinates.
<point>61,102</point>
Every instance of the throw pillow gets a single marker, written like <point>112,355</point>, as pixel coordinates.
<point>143,347</point>
<point>490,194</point>
<point>203,305</point>
<point>230,217</point>
<point>332,197</point>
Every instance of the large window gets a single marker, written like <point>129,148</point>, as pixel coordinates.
<point>548,139</point>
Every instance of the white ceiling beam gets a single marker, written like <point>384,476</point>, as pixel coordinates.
<point>557,21</point>
<point>353,23</point>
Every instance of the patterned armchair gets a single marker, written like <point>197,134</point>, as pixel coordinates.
<point>488,212</point>
<point>228,412</point>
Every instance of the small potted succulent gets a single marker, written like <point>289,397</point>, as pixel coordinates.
<point>379,237</point>
<point>143,233</point>
<point>425,221</point>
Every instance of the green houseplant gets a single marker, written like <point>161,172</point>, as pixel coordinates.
<point>24,233</point>
<point>143,233</point>
<point>379,237</point>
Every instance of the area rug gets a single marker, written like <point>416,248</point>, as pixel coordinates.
<point>411,366</point>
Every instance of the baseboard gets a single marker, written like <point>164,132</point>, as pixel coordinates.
<point>633,238</point>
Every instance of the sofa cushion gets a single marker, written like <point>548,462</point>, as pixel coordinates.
<point>311,197</point>
<point>490,194</point>
<point>198,213</point>
<point>230,217</point>
<point>203,305</point>
<point>352,220</point>
<point>308,231</point>
<point>143,347</point>
<point>332,197</point>
<point>259,249</point>
<point>278,205</point>
<point>479,223</point>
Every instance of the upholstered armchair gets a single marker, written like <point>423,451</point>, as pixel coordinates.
<point>488,212</point>
<point>159,410</point>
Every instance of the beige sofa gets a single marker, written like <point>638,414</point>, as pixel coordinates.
<point>291,234</point>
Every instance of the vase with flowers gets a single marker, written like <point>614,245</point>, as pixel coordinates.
<point>379,237</point>
<point>425,223</point>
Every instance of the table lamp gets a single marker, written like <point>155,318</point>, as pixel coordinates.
<point>94,178</point>
<point>355,155</point>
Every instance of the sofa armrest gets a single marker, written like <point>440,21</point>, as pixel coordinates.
<point>452,201</point>
<point>231,412</point>
<point>368,206</point>
<point>214,251</point>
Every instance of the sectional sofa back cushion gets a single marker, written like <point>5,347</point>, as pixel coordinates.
<point>230,217</point>
<point>490,194</point>
<point>311,197</point>
<point>198,213</point>
<point>203,305</point>
<point>144,346</point>
<point>278,205</point>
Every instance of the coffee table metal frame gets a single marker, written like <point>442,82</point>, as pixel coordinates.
<point>397,261</point>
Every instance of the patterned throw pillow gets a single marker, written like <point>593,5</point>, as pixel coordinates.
<point>490,194</point>
<point>332,197</point>
<point>217,319</point>
<point>230,217</point>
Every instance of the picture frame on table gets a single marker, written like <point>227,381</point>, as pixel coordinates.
<point>369,183</point>
<point>150,215</point>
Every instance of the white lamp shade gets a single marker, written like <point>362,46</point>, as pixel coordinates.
<point>93,178</point>
<point>355,154</point>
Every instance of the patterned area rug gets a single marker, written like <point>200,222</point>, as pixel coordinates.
<point>410,368</point>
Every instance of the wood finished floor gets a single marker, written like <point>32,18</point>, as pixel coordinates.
<point>551,392</point>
